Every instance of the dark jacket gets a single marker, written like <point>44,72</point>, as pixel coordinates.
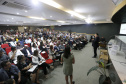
<point>24,51</point>
<point>3,74</point>
<point>96,42</point>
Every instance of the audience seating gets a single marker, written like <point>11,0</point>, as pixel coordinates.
<point>8,49</point>
<point>4,45</point>
<point>29,45</point>
<point>45,55</point>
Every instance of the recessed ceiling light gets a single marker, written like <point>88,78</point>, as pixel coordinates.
<point>50,16</point>
<point>35,2</point>
<point>89,20</point>
<point>36,18</point>
<point>7,20</point>
<point>17,13</point>
<point>71,15</point>
<point>12,18</point>
<point>58,6</point>
<point>61,21</point>
<point>26,11</point>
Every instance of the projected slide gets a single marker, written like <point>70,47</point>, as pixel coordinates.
<point>123,29</point>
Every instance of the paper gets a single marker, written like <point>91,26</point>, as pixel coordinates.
<point>41,62</point>
<point>113,52</point>
<point>115,47</point>
<point>33,68</point>
<point>15,61</point>
<point>43,52</point>
<point>74,44</point>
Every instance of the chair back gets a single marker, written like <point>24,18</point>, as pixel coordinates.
<point>4,45</point>
<point>8,50</point>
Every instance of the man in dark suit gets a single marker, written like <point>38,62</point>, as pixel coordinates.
<point>95,44</point>
<point>26,51</point>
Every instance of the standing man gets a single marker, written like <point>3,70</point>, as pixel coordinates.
<point>95,44</point>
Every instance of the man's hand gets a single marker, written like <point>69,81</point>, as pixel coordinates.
<point>19,79</point>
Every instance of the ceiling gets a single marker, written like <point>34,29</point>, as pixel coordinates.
<point>44,13</point>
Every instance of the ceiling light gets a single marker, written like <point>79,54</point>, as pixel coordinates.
<point>35,2</point>
<point>50,16</point>
<point>17,13</point>
<point>61,21</point>
<point>51,3</point>
<point>71,15</point>
<point>75,14</point>
<point>88,20</point>
<point>12,18</point>
<point>37,18</point>
<point>58,6</point>
<point>7,20</point>
<point>26,11</point>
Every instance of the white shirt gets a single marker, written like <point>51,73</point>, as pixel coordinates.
<point>41,38</point>
<point>16,55</point>
<point>28,41</point>
<point>13,43</point>
<point>48,40</point>
<point>33,49</point>
<point>36,60</point>
<point>28,52</point>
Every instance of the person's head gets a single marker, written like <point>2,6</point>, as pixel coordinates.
<point>96,35</point>
<point>41,43</point>
<point>13,49</point>
<point>12,39</point>
<point>18,43</point>
<point>67,51</point>
<point>26,46</point>
<point>34,45</point>
<point>51,47</point>
<point>61,43</point>
<point>1,53</point>
<point>20,58</point>
<point>6,65</point>
<point>36,53</point>
<point>10,81</point>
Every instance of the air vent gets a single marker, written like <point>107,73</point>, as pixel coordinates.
<point>15,4</point>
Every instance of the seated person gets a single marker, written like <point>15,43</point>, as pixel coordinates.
<point>24,66</point>
<point>3,50</point>
<point>19,46</point>
<point>39,60</point>
<point>14,53</point>
<point>27,40</point>
<point>26,51</point>
<point>3,57</point>
<point>61,47</point>
<point>9,81</point>
<point>34,47</point>
<point>102,40</point>
<point>13,42</point>
<point>42,47</point>
<point>21,40</point>
<point>51,51</point>
<point>9,71</point>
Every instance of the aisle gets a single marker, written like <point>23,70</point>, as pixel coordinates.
<point>83,62</point>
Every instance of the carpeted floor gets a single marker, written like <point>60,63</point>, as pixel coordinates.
<point>83,62</point>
